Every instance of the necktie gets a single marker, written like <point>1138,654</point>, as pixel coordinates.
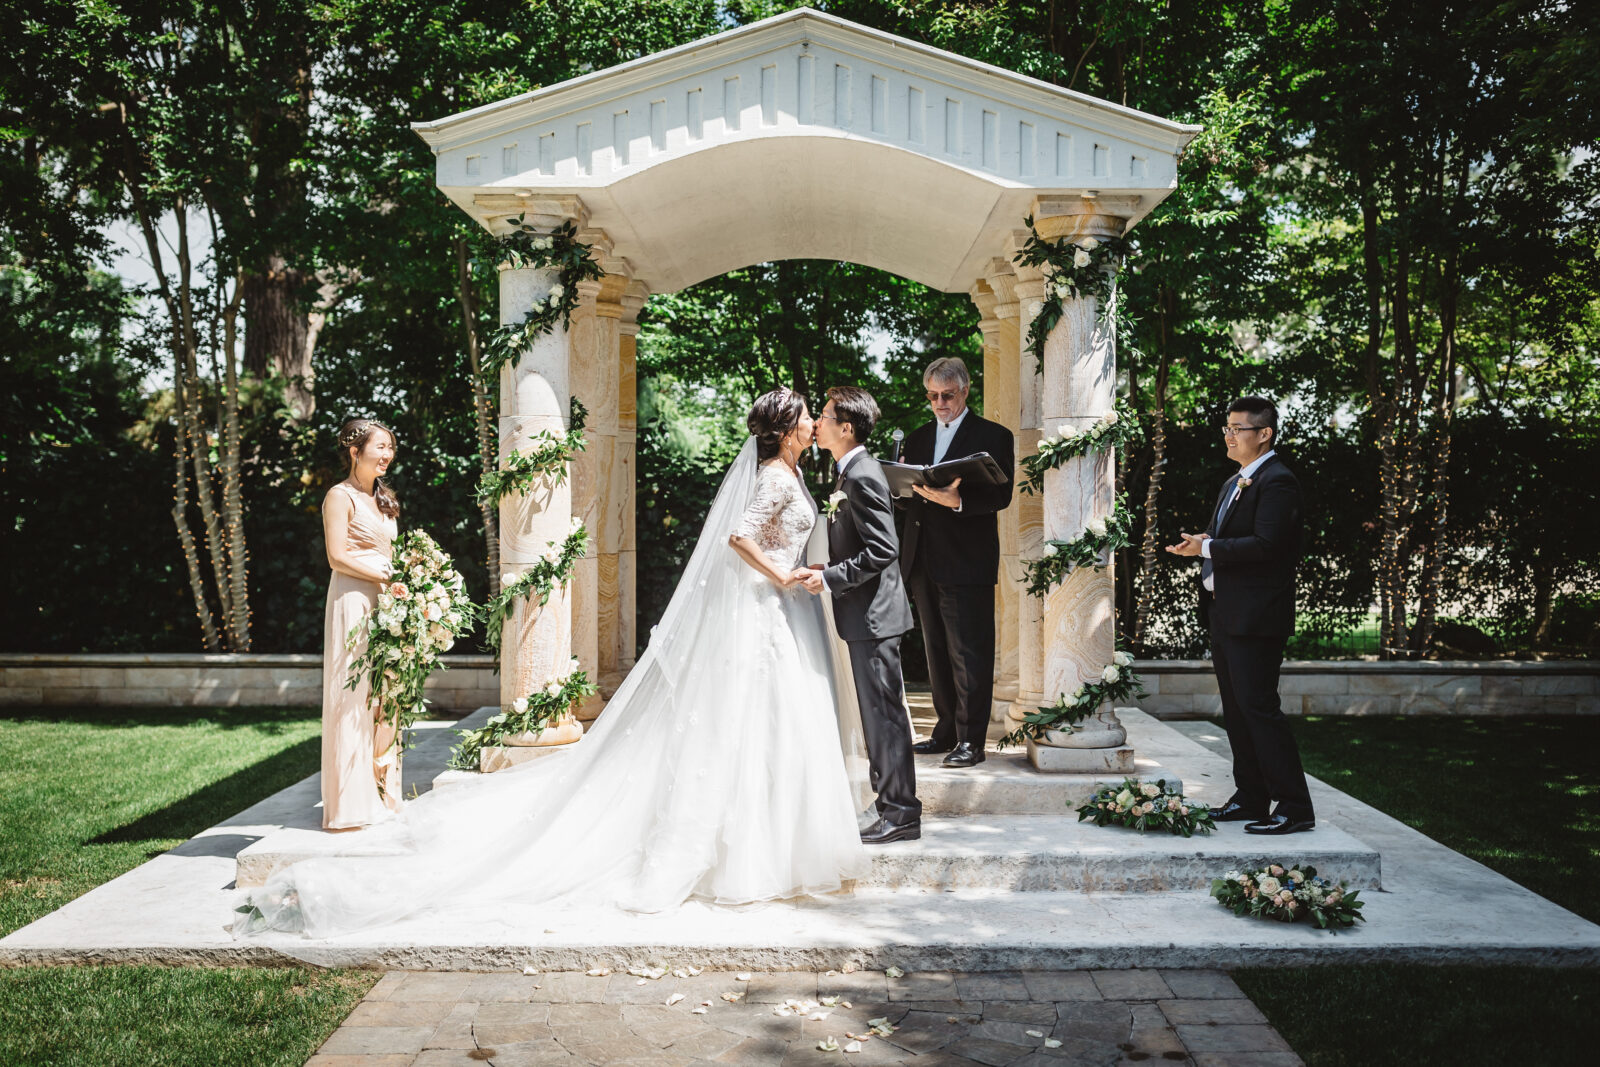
<point>1222,511</point>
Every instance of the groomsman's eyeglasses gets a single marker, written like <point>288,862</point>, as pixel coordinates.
<point>1235,431</point>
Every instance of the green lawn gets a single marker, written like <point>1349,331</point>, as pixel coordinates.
<point>91,793</point>
<point>1519,795</point>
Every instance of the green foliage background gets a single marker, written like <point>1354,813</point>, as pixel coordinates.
<point>1394,203</point>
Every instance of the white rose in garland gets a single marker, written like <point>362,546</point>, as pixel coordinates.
<point>1113,683</point>
<point>1093,548</point>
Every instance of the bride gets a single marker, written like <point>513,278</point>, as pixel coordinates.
<point>728,767</point>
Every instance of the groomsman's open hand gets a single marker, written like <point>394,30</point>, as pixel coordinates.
<point>1191,545</point>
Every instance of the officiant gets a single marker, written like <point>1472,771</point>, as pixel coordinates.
<point>950,558</point>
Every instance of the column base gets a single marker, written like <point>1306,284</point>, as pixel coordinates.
<point>1054,760</point>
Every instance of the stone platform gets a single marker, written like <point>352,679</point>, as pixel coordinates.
<point>979,892</point>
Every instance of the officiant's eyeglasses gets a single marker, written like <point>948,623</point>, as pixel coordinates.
<point>949,394</point>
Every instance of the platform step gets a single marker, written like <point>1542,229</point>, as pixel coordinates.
<point>1013,853</point>
<point>1048,854</point>
<point>1004,784</point>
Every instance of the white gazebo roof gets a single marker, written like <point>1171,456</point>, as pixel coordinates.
<point>803,136</point>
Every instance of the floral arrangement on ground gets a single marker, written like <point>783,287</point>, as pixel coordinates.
<point>1115,429</point>
<point>422,609</point>
<point>1289,894</point>
<point>1147,806</point>
<point>548,458</point>
<point>1073,269</point>
<point>525,715</point>
<point>1093,548</point>
<point>1117,681</point>
<point>527,247</point>
<point>538,581</point>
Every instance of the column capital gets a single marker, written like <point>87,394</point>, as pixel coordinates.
<point>1072,217</point>
<point>632,301</point>
<point>542,211</point>
<point>1002,279</point>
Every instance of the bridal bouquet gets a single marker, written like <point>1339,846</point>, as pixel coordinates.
<point>422,609</point>
<point>1147,806</point>
<point>1288,894</point>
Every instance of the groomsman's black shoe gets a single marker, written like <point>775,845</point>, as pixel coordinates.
<point>964,755</point>
<point>883,831</point>
<point>1235,812</point>
<point>930,747</point>
<point>1280,824</point>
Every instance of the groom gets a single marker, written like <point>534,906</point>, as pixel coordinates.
<point>870,608</point>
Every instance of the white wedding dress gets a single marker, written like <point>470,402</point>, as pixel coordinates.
<point>728,767</point>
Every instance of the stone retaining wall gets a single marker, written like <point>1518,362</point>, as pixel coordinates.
<point>211,680</point>
<point>1176,688</point>
<point>1186,688</point>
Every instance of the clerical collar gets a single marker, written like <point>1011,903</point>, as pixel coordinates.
<point>955,422</point>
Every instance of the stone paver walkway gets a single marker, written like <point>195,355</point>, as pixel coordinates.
<point>1028,1019</point>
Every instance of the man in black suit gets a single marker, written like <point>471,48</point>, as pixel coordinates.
<point>1248,556</point>
<point>869,608</point>
<point>951,562</point>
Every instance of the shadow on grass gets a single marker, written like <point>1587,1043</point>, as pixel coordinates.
<point>228,796</point>
<point>269,720</point>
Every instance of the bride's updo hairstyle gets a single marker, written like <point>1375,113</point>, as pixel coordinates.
<point>774,417</point>
<point>355,434</point>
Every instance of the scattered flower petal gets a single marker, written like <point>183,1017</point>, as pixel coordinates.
<point>697,1011</point>
<point>829,1002</point>
<point>530,970</point>
<point>598,972</point>
<point>742,976</point>
<point>854,1046</point>
<point>893,972</point>
<point>1051,1042</point>
<point>849,967</point>
<point>732,997</point>
<point>827,1044</point>
<point>674,999</point>
<point>1033,1033</point>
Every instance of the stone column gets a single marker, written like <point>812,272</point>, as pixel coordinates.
<point>537,640</point>
<point>1000,405</point>
<point>1003,404</point>
<point>624,487</point>
<point>593,352</point>
<point>1080,369</point>
<point>1029,290</point>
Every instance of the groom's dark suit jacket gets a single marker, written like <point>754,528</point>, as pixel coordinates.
<point>869,597</point>
<point>1254,550</point>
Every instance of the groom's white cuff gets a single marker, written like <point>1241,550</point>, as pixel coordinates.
<point>1205,548</point>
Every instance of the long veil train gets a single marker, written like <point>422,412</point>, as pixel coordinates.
<point>729,766</point>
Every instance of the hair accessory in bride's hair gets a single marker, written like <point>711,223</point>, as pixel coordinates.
<point>353,434</point>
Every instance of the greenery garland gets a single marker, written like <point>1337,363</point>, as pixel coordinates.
<point>1117,682</point>
<point>1146,806</point>
<point>1289,894</point>
<point>1116,428</point>
<point>548,459</point>
<point>1087,267</point>
<point>525,248</point>
<point>525,715</point>
<point>539,581</point>
<point>1092,548</point>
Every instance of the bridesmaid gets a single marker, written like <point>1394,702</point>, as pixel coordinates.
<point>358,522</point>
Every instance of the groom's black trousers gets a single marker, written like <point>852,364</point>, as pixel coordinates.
<point>1266,761</point>
<point>881,694</point>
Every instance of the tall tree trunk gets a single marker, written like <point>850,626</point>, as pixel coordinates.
<point>1158,470</point>
<point>482,406</point>
<point>232,486</point>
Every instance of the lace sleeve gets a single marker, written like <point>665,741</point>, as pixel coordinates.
<point>760,516</point>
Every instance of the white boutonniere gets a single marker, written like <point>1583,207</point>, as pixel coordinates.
<point>831,508</point>
<point>1244,483</point>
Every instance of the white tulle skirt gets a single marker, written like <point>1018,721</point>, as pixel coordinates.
<point>724,782</point>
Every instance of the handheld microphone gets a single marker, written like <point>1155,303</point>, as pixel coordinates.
<point>898,436</point>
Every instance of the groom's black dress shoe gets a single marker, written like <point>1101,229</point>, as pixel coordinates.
<point>964,755</point>
<point>930,747</point>
<point>1233,812</point>
<point>883,831</point>
<point>1280,824</point>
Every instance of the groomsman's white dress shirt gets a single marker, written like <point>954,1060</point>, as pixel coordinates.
<point>1244,472</point>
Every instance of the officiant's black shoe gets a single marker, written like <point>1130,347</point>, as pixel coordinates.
<point>964,755</point>
<point>1280,824</point>
<point>930,747</point>
<point>883,831</point>
<point>1233,812</point>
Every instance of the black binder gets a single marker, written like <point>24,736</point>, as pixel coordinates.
<point>979,467</point>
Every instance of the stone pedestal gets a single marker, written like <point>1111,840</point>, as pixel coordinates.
<point>1118,760</point>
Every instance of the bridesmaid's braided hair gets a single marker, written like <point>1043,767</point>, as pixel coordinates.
<point>354,434</point>
<point>772,418</point>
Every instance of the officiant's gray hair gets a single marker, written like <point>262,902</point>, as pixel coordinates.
<point>947,369</point>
